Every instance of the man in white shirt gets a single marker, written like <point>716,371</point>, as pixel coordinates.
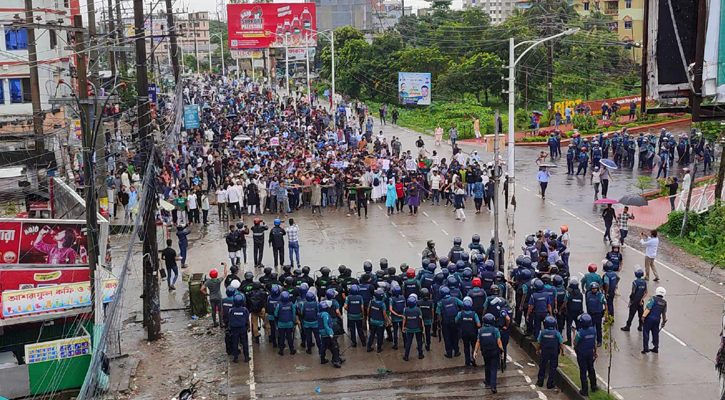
<point>435,186</point>
<point>233,201</point>
<point>239,187</point>
<point>193,207</point>
<point>650,252</point>
<point>221,201</point>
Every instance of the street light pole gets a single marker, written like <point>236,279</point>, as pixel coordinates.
<point>307,55</point>
<point>286,63</point>
<point>221,45</point>
<point>332,41</point>
<point>510,212</point>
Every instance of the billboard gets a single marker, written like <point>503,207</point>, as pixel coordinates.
<point>58,349</point>
<point>264,25</point>
<point>414,88</point>
<point>53,298</point>
<point>191,116</point>
<point>33,243</point>
<point>30,278</point>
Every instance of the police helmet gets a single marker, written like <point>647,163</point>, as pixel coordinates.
<point>286,268</point>
<point>424,262</point>
<point>297,272</point>
<point>267,270</point>
<point>467,303</point>
<point>585,320</point>
<point>494,289</point>
<point>476,238</point>
<point>457,241</point>
<point>304,287</point>
<point>248,276</point>
<point>445,273</point>
<point>379,294</point>
<point>475,257</point>
<point>489,319</point>
<point>277,222</point>
<point>430,244</point>
<point>594,285</point>
<point>397,290</point>
<point>445,291</point>
<point>500,277</point>
<point>519,260</point>
<point>273,276</point>
<point>538,286</point>
<point>383,263</point>
<point>452,282</point>
<point>443,262</point>
<point>639,273</point>
<point>354,289</point>
<point>285,296</point>
<point>231,291</point>
<point>330,294</point>
<point>367,266</point>
<point>460,265</point>
<point>490,265</point>
<point>380,274</point>
<point>289,281</point>
<point>549,322</point>
<point>573,283</point>
<point>238,300</point>
<point>256,285</point>
<point>526,262</point>
<point>412,301</point>
<point>323,305</point>
<point>404,267</point>
<point>530,240</point>
<point>431,267</point>
<point>558,280</point>
<point>526,275</point>
<point>465,256</point>
<point>439,278</point>
<point>310,296</point>
<point>546,278</point>
<point>608,266</point>
<point>424,293</point>
<point>325,271</point>
<point>341,269</point>
<point>391,271</point>
<point>305,270</point>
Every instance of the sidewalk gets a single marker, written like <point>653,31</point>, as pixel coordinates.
<point>655,213</point>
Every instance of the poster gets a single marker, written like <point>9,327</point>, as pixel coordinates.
<point>265,25</point>
<point>300,53</point>
<point>246,53</point>
<point>103,206</point>
<point>57,349</point>
<point>30,278</point>
<point>191,116</point>
<point>43,243</point>
<point>152,92</point>
<point>53,298</point>
<point>414,88</point>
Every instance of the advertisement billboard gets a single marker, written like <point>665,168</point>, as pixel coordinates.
<point>57,349</point>
<point>53,298</point>
<point>191,116</point>
<point>265,25</point>
<point>414,88</point>
<point>30,278</point>
<point>34,242</point>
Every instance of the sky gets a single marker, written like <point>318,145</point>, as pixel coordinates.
<point>210,5</point>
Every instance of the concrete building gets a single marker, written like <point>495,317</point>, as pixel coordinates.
<point>333,14</point>
<point>53,58</point>
<point>627,18</point>
<point>387,13</point>
<point>498,10</point>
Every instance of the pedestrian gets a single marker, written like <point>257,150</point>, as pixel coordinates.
<point>293,243</point>
<point>636,299</point>
<point>182,233</point>
<point>193,204</point>
<point>623,224</point>
<point>567,114</point>
<point>239,326</point>
<point>413,326</point>
<point>169,256</point>
<point>489,342</point>
<point>212,288</point>
<point>469,323</point>
<point>477,127</point>
<point>205,208</point>
<point>595,180</point>
<point>586,352</point>
<point>632,110</point>
<point>233,201</point>
<point>543,178</point>
<point>391,197</point>
<point>605,175</point>
<point>258,241</point>
<point>276,242</point>
<point>459,196</point>
<point>549,345</point>
<point>650,253</point>
<point>655,311</point>
<point>453,135</point>
<point>608,216</point>
<point>672,185</point>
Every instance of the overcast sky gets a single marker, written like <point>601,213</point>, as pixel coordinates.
<point>210,5</point>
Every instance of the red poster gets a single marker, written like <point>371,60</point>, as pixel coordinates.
<point>43,242</point>
<point>30,278</point>
<point>264,25</point>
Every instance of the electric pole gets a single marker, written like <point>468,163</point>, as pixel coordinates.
<point>121,35</point>
<point>99,146</point>
<point>152,310</point>
<point>34,85</point>
<point>172,40</point>
<point>496,177</point>
<point>643,77</point>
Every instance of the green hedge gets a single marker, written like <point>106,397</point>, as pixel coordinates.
<point>704,233</point>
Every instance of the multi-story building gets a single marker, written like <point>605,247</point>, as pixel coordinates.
<point>498,10</point>
<point>627,18</point>
<point>387,13</point>
<point>53,57</point>
<point>333,14</point>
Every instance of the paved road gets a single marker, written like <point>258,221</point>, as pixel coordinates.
<point>684,367</point>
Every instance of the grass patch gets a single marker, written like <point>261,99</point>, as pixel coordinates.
<point>571,369</point>
<point>704,236</point>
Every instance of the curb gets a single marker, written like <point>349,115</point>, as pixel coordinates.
<point>635,129</point>
<point>563,382</point>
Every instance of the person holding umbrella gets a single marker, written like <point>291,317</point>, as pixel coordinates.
<point>543,178</point>
<point>605,174</point>
<point>595,180</point>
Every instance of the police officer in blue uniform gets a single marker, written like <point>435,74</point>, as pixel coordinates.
<point>539,307</point>
<point>478,297</point>
<point>586,352</point>
<point>309,313</point>
<point>454,255</point>
<point>411,285</point>
<point>523,292</point>
<point>611,280</point>
<point>596,308</point>
<point>284,314</point>
<point>573,307</point>
<point>468,321</point>
<point>489,342</point>
<point>272,301</point>
<point>447,310</point>
<point>227,304</point>
<point>558,284</point>
<point>413,326</point>
<point>239,326</point>
<point>488,276</point>
<point>570,154</point>
<point>548,345</point>
<point>427,307</point>
<point>616,257</point>
<point>636,300</point>
<point>377,317</point>
<point>329,341</point>
<point>655,311</point>
<point>355,307</point>
<point>397,307</point>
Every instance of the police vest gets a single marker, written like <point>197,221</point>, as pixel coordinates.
<point>355,304</point>
<point>549,341</point>
<point>560,294</point>
<point>613,279</point>
<point>468,323</point>
<point>427,280</point>
<point>272,305</point>
<point>412,318</point>
<point>286,312</point>
<point>365,293</point>
<point>541,302</point>
<point>456,292</point>
<point>551,292</point>
<point>615,258</point>
<point>238,317</point>
<point>227,305</point>
<point>411,286</point>
<point>575,304</point>
<point>487,338</point>
<point>309,311</point>
<point>657,308</point>
<point>587,341</point>
<point>594,303</point>
<point>495,305</point>
<point>436,292</point>
<point>376,310</point>
<point>449,309</point>
<point>456,254</point>
<point>426,307</point>
<point>640,287</point>
<point>466,286</point>
<point>478,297</point>
<point>533,253</point>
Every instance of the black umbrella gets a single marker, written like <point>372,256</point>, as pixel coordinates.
<point>634,200</point>
<point>547,165</point>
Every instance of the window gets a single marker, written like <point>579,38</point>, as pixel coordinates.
<point>596,5</point>
<point>20,90</point>
<point>16,39</point>
<point>53,39</point>
<point>628,4</point>
<point>586,6</point>
<point>2,91</point>
<point>627,24</point>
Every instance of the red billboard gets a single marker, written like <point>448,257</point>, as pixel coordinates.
<point>31,278</point>
<point>35,242</point>
<point>264,25</point>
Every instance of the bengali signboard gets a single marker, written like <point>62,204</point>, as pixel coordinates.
<point>43,243</point>
<point>265,25</point>
<point>57,350</point>
<point>246,53</point>
<point>191,116</point>
<point>414,88</point>
<point>53,298</point>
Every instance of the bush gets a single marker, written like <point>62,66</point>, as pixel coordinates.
<point>704,235</point>
<point>585,122</point>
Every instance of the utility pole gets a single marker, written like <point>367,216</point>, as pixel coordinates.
<point>510,211</point>
<point>196,46</point>
<point>696,98</point>
<point>496,177</point>
<point>152,311</point>
<point>644,77</point>
<point>307,55</point>
<point>112,33</point>
<point>90,195</point>
<point>121,34</point>
<point>171,28</point>
<point>99,146</point>
<point>332,45</point>
<point>34,86</point>
<point>721,170</point>
<point>687,203</point>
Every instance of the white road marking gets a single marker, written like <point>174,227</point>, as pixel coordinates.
<point>533,387</point>
<point>419,255</point>
<point>380,207</point>
<point>616,394</point>
<point>551,202</point>
<point>525,188</point>
<point>528,380</point>
<point>434,222</point>
<point>424,213</point>
<point>518,365</point>
<point>393,224</point>
<point>252,384</point>
<point>581,273</point>
<point>410,244</point>
<point>401,233</point>
<point>541,394</point>
<point>444,231</point>
<point>538,195</point>
<point>570,213</point>
<point>521,372</point>
<point>674,337</point>
<point>508,358</point>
